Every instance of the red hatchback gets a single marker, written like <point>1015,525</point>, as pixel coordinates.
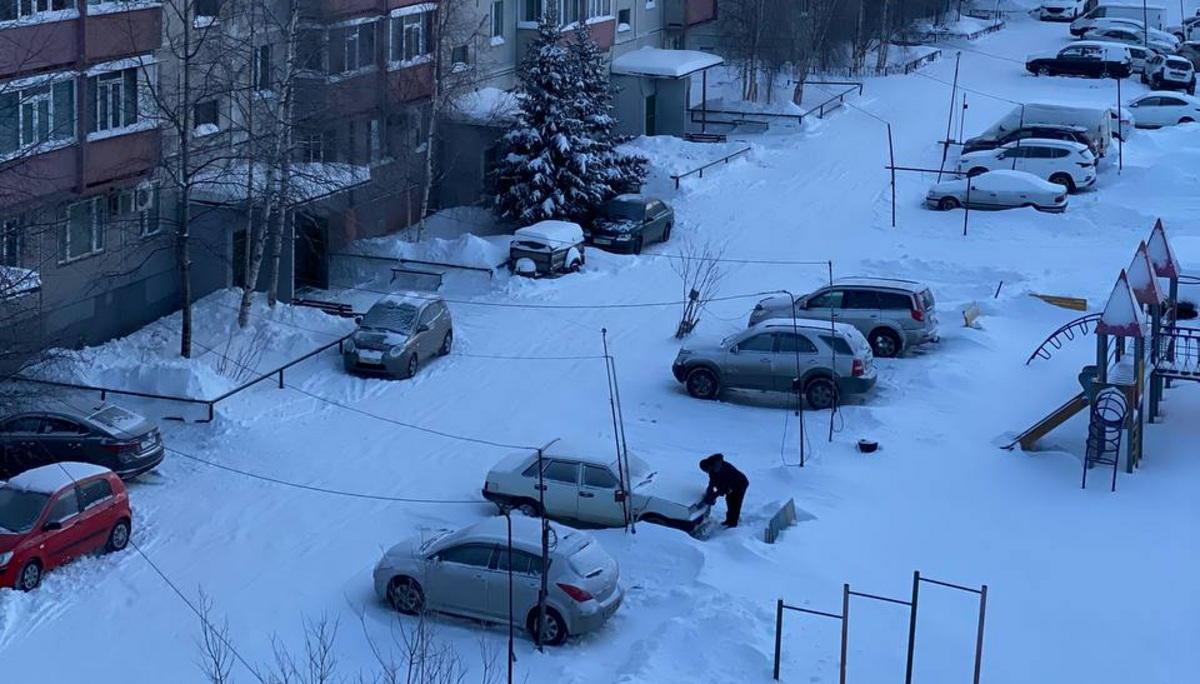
<point>52,514</point>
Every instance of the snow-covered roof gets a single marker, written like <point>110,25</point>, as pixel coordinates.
<point>526,532</point>
<point>1161,254</point>
<point>562,233</point>
<point>485,105</point>
<point>660,63</point>
<point>414,299</point>
<point>875,281</point>
<point>309,181</point>
<point>1122,316</point>
<point>1007,179</point>
<point>1142,279</point>
<point>15,282</point>
<point>49,479</point>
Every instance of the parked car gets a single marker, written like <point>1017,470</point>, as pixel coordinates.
<point>892,314</point>
<point>1170,72</point>
<point>584,486</point>
<point>1164,108</point>
<point>1077,134</point>
<point>1132,35</point>
<point>1141,56</point>
<point>627,222</point>
<point>1188,30</point>
<point>55,513</point>
<point>1060,10</point>
<point>547,248</point>
<point>466,573</point>
<point>998,190</point>
<point>397,334</point>
<point>1084,58</point>
<point>1190,51</point>
<point>1120,122</point>
<point>1099,122</point>
<point>109,436</point>
<point>1167,38</point>
<point>831,360</point>
<point>1069,164</point>
<point>1134,11</point>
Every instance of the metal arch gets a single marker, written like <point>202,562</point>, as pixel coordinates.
<point>1082,325</point>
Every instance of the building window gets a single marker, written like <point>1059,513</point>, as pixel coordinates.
<point>133,209</point>
<point>460,57</point>
<point>206,9</point>
<point>498,19</point>
<point>82,232</point>
<point>410,36</point>
<point>569,11</point>
<point>10,242</point>
<point>113,99</point>
<point>263,75</point>
<point>311,50</point>
<point>311,146</point>
<point>599,8</point>
<point>35,116</point>
<point>15,9</point>
<point>624,22</point>
<point>206,117</point>
<point>351,48</point>
<point>531,11</point>
<point>374,140</point>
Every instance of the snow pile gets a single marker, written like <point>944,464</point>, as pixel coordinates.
<point>465,250</point>
<point>660,63</point>
<point>232,183</point>
<point>675,155</point>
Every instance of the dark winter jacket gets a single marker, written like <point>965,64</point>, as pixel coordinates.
<point>723,478</point>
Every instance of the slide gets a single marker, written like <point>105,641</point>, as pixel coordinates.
<point>1043,427</point>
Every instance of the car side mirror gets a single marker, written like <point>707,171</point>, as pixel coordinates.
<point>734,349</point>
<point>619,495</point>
<point>358,320</point>
<point>52,526</point>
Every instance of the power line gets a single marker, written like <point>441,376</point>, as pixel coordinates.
<point>516,305</point>
<point>966,89</point>
<point>988,54</point>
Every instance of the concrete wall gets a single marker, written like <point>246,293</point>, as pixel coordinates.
<point>461,159</point>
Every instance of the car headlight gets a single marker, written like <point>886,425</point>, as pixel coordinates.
<point>350,344</point>
<point>624,237</point>
<point>5,558</point>
<point>395,352</point>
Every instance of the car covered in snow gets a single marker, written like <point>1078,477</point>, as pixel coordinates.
<point>1093,59</point>
<point>584,485</point>
<point>1164,108</point>
<point>1069,132</point>
<point>397,334</point>
<point>627,222</point>
<point>1170,72</point>
<point>53,514</point>
<point>1066,163</point>
<point>108,435</point>
<point>893,314</point>
<point>998,190</point>
<point>546,248</point>
<point>1157,41</point>
<point>470,573</point>
<point>829,360</point>
<point>1060,10</point>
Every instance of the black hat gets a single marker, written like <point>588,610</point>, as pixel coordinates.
<point>707,464</point>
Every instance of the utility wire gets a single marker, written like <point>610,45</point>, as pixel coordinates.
<point>966,89</point>
<point>628,305</point>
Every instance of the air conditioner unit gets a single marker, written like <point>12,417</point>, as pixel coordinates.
<point>143,197</point>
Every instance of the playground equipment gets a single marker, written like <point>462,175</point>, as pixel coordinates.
<point>1140,350</point>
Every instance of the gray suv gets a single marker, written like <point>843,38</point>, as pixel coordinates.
<point>892,314</point>
<point>397,334</point>
<point>830,361</point>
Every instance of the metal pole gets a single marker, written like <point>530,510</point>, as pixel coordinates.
<point>912,627</point>
<point>833,333</point>
<point>778,634</point>
<point>979,634</point>
<point>1146,26</point>
<point>1120,132</point>
<point>892,155</point>
<point>967,207</point>
<point>845,632</point>
<point>796,378</point>
<point>950,118</point>
<point>512,652</point>
<point>545,588</point>
<point>704,101</point>
<point>612,404</point>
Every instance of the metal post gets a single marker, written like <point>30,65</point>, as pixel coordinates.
<point>892,155</point>
<point>950,118</point>
<point>625,486</point>
<point>833,333</point>
<point>845,632</point>
<point>704,101</point>
<point>778,634</point>
<point>512,652</point>
<point>912,627</point>
<point>280,378</point>
<point>545,588</point>
<point>1120,133</point>
<point>967,207</point>
<point>979,634</point>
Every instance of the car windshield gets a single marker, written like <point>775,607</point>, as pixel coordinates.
<point>622,211</point>
<point>20,509</point>
<point>394,317</point>
<point>1179,64</point>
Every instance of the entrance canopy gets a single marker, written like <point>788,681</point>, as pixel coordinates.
<point>656,63</point>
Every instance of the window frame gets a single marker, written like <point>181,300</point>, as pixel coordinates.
<point>12,241</point>
<point>806,345</point>
<point>616,481</point>
<point>72,494</point>
<point>406,31</point>
<point>497,19</point>
<point>96,230</point>
<point>741,346</point>
<point>84,504</point>
<point>216,119</point>
<point>441,555</point>
<point>550,463</point>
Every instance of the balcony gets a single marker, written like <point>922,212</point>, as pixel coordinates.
<point>38,175</point>
<point>119,34</point>
<point>684,13</point>
<point>33,46</point>
<point>121,157</point>
<point>410,83</point>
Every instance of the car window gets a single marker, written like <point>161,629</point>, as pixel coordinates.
<point>24,424</point>
<point>1172,101</point>
<point>531,471</point>
<point>758,343</point>
<point>474,555</point>
<point>1071,52</point>
<point>428,315</point>
<point>860,299</point>
<point>19,509</point>
<point>1148,102</point>
<point>562,471</point>
<point>1058,152</point>
<point>65,507</point>
<point>791,343</point>
<point>60,426</point>
<point>895,301</point>
<point>826,300</point>
<point>602,478</point>
<point>522,563</point>
<point>94,492</point>
<point>839,345</point>
<point>1019,152</point>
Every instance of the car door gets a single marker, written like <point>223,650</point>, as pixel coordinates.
<point>526,584</point>
<point>979,194</point>
<point>1014,158</point>
<point>860,308</point>
<point>96,519</point>
<point>657,216</point>
<point>1147,112</point>
<point>795,355</point>
<point>18,444</point>
<point>425,342</point>
<point>67,540</point>
<point>1070,61</point>
<point>1171,110</point>
<point>598,496</point>
<point>457,581</point>
<point>748,363</point>
<point>824,305</point>
<point>560,480</point>
<point>62,439</point>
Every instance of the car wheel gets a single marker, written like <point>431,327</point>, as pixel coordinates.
<point>948,203</point>
<point>702,383</point>
<point>412,366</point>
<point>1187,120</point>
<point>406,596</point>
<point>653,519</point>
<point>976,171</point>
<point>527,508</point>
<point>637,245</point>
<point>1156,83</point>
<point>885,343</point>
<point>554,632</point>
<point>821,394</point>
<point>1042,71</point>
<point>666,233</point>
<point>447,343</point>
<point>1063,180</point>
<point>575,266</point>
<point>118,539</point>
<point>30,576</point>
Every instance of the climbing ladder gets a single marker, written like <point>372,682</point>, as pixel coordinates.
<point>1109,413</point>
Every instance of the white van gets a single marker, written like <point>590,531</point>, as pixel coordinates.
<point>1097,120</point>
<point>1153,14</point>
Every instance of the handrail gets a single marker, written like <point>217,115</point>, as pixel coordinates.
<point>1067,330</point>
<point>404,260</point>
<point>700,170</point>
<point>840,98</point>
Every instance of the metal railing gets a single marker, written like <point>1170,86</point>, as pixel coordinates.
<point>893,70</point>
<point>833,102</point>
<point>402,260</point>
<point>700,170</point>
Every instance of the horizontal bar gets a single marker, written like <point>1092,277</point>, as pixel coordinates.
<point>128,393</point>
<point>812,612</point>
<point>950,585</point>
<point>880,598</point>
<point>920,170</point>
<point>374,257</point>
<point>284,367</point>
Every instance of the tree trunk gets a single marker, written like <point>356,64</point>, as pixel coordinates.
<point>284,159</point>
<point>860,39</point>
<point>435,102</point>
<point>885,33</point>
<point>182,231</point>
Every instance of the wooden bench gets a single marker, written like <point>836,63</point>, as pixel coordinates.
<point>705,137</point>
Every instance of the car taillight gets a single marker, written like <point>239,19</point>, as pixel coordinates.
<point>1060,198</point>
<point>857,369</point>
<point>917,314</point>
<point>119,447</point>
<point>575,592</point>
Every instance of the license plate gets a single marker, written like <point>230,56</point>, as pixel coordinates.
<point>370,356</point>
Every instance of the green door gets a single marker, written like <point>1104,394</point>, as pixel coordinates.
<point>651,115</point>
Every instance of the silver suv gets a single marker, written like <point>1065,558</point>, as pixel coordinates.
<point>397,334</point>
<point>830,360</point>
<point>892,314</point>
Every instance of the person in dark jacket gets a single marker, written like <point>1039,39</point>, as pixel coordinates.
<point>727,481</point>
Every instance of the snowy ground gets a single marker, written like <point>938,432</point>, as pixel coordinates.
<point>1086,586</point>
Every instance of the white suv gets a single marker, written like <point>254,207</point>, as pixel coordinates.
<point>1066,163</point>
<point>1167,72</point>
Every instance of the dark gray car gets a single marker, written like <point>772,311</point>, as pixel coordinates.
<point>120,440</point>
<point>628,222</point>
<point>397,334</point>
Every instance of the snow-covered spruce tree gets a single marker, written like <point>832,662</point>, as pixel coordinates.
<point>544,171</point>
<point>617,171</point>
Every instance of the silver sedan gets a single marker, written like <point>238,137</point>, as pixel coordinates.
<point>467,573</point>
<point>998,190</point>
